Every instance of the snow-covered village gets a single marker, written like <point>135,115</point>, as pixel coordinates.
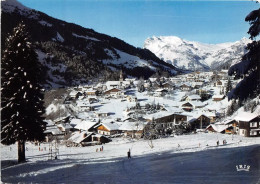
<point>94,109</point>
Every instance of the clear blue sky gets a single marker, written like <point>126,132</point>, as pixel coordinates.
<point>135,20</point>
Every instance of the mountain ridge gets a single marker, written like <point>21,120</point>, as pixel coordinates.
<point>74,54</point>
<point>192,55</point>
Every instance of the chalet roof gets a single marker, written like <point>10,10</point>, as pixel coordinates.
<point>91,91</point>
<point>113,89</point>
<point>54,130</point>
<point>61,118</point>
<point>194,97</point>
<point>185,85</point>
<point>65,126</point>
<point>218,96</point>
<point>161,90</point>
<point>75,121</point>
<point>113,83</point>
<point>197,83</point>
<point>158,115</point>
<point>73,93</point>
<point>152,79</point>
<point>78,137</point>
<point>218,128</point>
<point>130,126</point>
<point>195,104</point>
<point>110,125</point>
<point>85,125</point>
<point>246,116</point>
<point>226,122</point>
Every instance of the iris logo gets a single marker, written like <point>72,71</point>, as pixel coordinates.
<point>243,167</point>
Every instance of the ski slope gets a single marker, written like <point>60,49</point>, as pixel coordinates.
<point>171,159</point>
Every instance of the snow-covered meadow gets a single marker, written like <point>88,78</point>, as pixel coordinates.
<point>74,162</point>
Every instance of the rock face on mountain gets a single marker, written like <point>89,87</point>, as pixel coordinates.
<point>74,55</point>
<point>193,55</point>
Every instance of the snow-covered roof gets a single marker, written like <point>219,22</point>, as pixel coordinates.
<point>194,97</point>
<point>110,125</point>
<point>113,83</point>
<point>218,96</point>
<point>158,115</point>
<point>195,103</point>
<point>218,128</point>
<point>225,122</point>
<point>245,116</point>
<point>85,125</point>
<point>160,90</point>
<point>73,93</point>
<point>91,91</point>
<point>75,121</point>
<point>54,130</point>
<point>130,126</point>
<point>78,137</point>
<point>65,126</point>
<point>152,79</point>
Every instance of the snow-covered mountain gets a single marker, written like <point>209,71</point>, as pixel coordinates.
<point>193,55</point>
<point>72,54</point>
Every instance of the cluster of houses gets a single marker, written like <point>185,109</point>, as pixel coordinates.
<point>98,127</point>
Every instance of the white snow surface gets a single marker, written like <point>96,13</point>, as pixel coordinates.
<point>195,55</point>
<point>127,60</point>
<point>44,23</point>
<point>85,37</point>
<point>58,38</point>
<point>40,168</point>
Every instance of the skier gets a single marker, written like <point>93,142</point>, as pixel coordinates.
<point>129,154</point>
<point>217,143</point>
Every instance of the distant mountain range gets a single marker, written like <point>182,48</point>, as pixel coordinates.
<point>74,55</point>
<point>193,55</point>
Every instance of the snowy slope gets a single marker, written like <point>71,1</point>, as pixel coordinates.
<point>194,55</point>
<point>192,162</point>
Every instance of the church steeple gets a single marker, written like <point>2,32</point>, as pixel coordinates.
<point>121,76</point>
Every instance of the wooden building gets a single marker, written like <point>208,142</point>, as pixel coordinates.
<point>200,122</point>
<point>248,124</point>
<point>108,128</point>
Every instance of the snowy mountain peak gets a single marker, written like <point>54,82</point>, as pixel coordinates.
<point>193,55</point>
<point>11,5</point>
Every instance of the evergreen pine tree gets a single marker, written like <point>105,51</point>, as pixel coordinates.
<point>232,108</point>
<point>249,67</point>
<point>21,97</point>
<point>228,87</point>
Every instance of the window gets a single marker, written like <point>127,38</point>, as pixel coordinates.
<point>253,124</point>
<point>253,132</point>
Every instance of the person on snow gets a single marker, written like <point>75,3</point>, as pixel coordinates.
<point>129,154</point>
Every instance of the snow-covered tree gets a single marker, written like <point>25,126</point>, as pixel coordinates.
<point>249,67</point>
<point>151,132</point>
<point>228,87</point>
<point>21,96</point>
<point>232,108</point>
<point>140,85</point>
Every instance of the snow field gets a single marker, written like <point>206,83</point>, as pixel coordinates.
<point>119,147</point>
